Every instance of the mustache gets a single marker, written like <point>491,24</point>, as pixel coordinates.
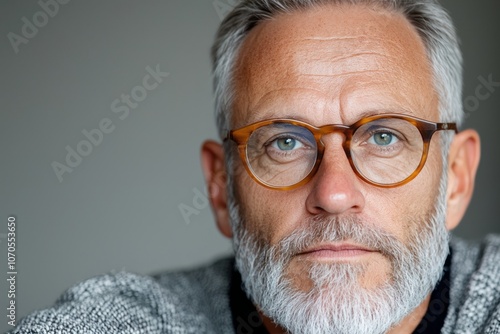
<point>321,229</point>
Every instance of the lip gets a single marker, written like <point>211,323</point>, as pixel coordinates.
<point>337,251</point>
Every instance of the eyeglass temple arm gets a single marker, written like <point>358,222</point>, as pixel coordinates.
<point>447,126</point>
<point>226,136</point>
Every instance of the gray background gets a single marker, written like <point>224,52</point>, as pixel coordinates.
<point>119,209</point>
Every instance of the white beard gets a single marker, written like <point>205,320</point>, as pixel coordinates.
<point>337,303</point>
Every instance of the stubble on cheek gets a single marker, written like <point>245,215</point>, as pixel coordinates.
<point>269,215</point>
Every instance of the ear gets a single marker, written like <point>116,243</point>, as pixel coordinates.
<point>463,161</point>
<point>212,163</point>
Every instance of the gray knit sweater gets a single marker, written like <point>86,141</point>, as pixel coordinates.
<point>197,301</point>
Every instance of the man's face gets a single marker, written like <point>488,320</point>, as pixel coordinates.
<point>335,65</point>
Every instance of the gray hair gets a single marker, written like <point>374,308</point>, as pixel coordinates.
<point>428,17</point>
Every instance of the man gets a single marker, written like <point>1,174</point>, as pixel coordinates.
<point>340,175</point>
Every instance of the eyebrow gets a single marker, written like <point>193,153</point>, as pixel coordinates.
<point>401,111</point>
<point>297,117</point>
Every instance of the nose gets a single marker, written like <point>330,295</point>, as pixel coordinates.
<point>335,188</point>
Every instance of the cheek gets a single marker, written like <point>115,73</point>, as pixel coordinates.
<point>271,214</point>
<point>410,204</point>
<point>398,210</point>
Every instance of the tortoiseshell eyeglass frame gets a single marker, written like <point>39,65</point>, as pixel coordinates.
<point>426,128</point>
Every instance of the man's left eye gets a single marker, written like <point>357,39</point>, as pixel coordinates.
<point>383,139</point>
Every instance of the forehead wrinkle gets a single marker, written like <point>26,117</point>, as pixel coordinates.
<point>324,56</point>
<point>316,75</point>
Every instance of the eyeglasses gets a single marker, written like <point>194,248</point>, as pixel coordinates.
<point>386,150</point>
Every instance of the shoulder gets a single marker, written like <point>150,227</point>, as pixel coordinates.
<point>475,285</point>
<point>477,261</point>
<point>204,289</point>
<point>130,303</point>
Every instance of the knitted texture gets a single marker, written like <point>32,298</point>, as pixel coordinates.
<point>475,288</point>
<point>197,301</point>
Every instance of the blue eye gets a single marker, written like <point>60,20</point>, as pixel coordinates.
<point>383,138</point>
<point>287,144</point>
